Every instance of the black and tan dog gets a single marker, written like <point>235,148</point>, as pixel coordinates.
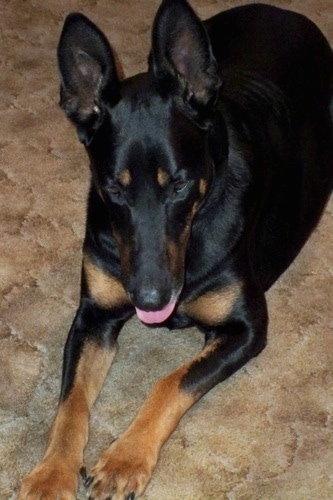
<point>209,172</point>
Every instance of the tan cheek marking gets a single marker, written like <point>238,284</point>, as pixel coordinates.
<point>125,177</point>
<point>106,290</point>
<point>176,253</point>
<point>125,254</point>
<point>162,177</point>
<point>99,191</point>
<point>213,307</point>
<point>202,187</point>
<point>176,257</point>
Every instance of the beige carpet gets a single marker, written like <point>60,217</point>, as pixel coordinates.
<point>264,434</point>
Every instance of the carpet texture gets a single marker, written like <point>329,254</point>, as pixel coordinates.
<point>264,434</point>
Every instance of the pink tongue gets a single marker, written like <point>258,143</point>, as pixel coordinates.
<point>152,317</point>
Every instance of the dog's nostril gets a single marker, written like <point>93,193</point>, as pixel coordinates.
<point>148,298</point>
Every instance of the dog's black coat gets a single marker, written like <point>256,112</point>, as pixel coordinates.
<point>208,172</point>
<point>257,128</point>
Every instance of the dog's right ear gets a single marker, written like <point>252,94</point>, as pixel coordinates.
<point>182,59</point>
<point>88,74</point>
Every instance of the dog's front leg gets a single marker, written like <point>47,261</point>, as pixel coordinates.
<point>125,468</point>
<point>89,351</point>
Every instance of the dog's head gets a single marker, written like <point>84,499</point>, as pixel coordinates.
<point>147,140</point>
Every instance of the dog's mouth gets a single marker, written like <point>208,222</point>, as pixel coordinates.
<point>155,317</point>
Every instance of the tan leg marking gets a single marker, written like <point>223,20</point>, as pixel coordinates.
<point>127,465</point>
<point>56,476</point>
<point>106,290</point>
<point>213,307</point>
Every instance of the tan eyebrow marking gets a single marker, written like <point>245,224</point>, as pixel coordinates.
<point>162,177</point>
<point>125,177</point>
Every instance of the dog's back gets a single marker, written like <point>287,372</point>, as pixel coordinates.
<point>277,72</point>
<point>278,45</point>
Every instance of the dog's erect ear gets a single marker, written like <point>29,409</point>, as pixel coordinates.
<point>88,73</point>
<point>181,55</point>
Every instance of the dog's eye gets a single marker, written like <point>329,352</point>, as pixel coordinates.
<point>114,190</point>
<point>180,186</point>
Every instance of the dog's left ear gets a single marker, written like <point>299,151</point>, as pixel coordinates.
<point>182,57</point>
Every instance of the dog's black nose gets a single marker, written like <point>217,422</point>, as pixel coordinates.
<point>149,298</point>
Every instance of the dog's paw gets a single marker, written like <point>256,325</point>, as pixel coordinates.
<point>50,480</point>
<point>122,472</point>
